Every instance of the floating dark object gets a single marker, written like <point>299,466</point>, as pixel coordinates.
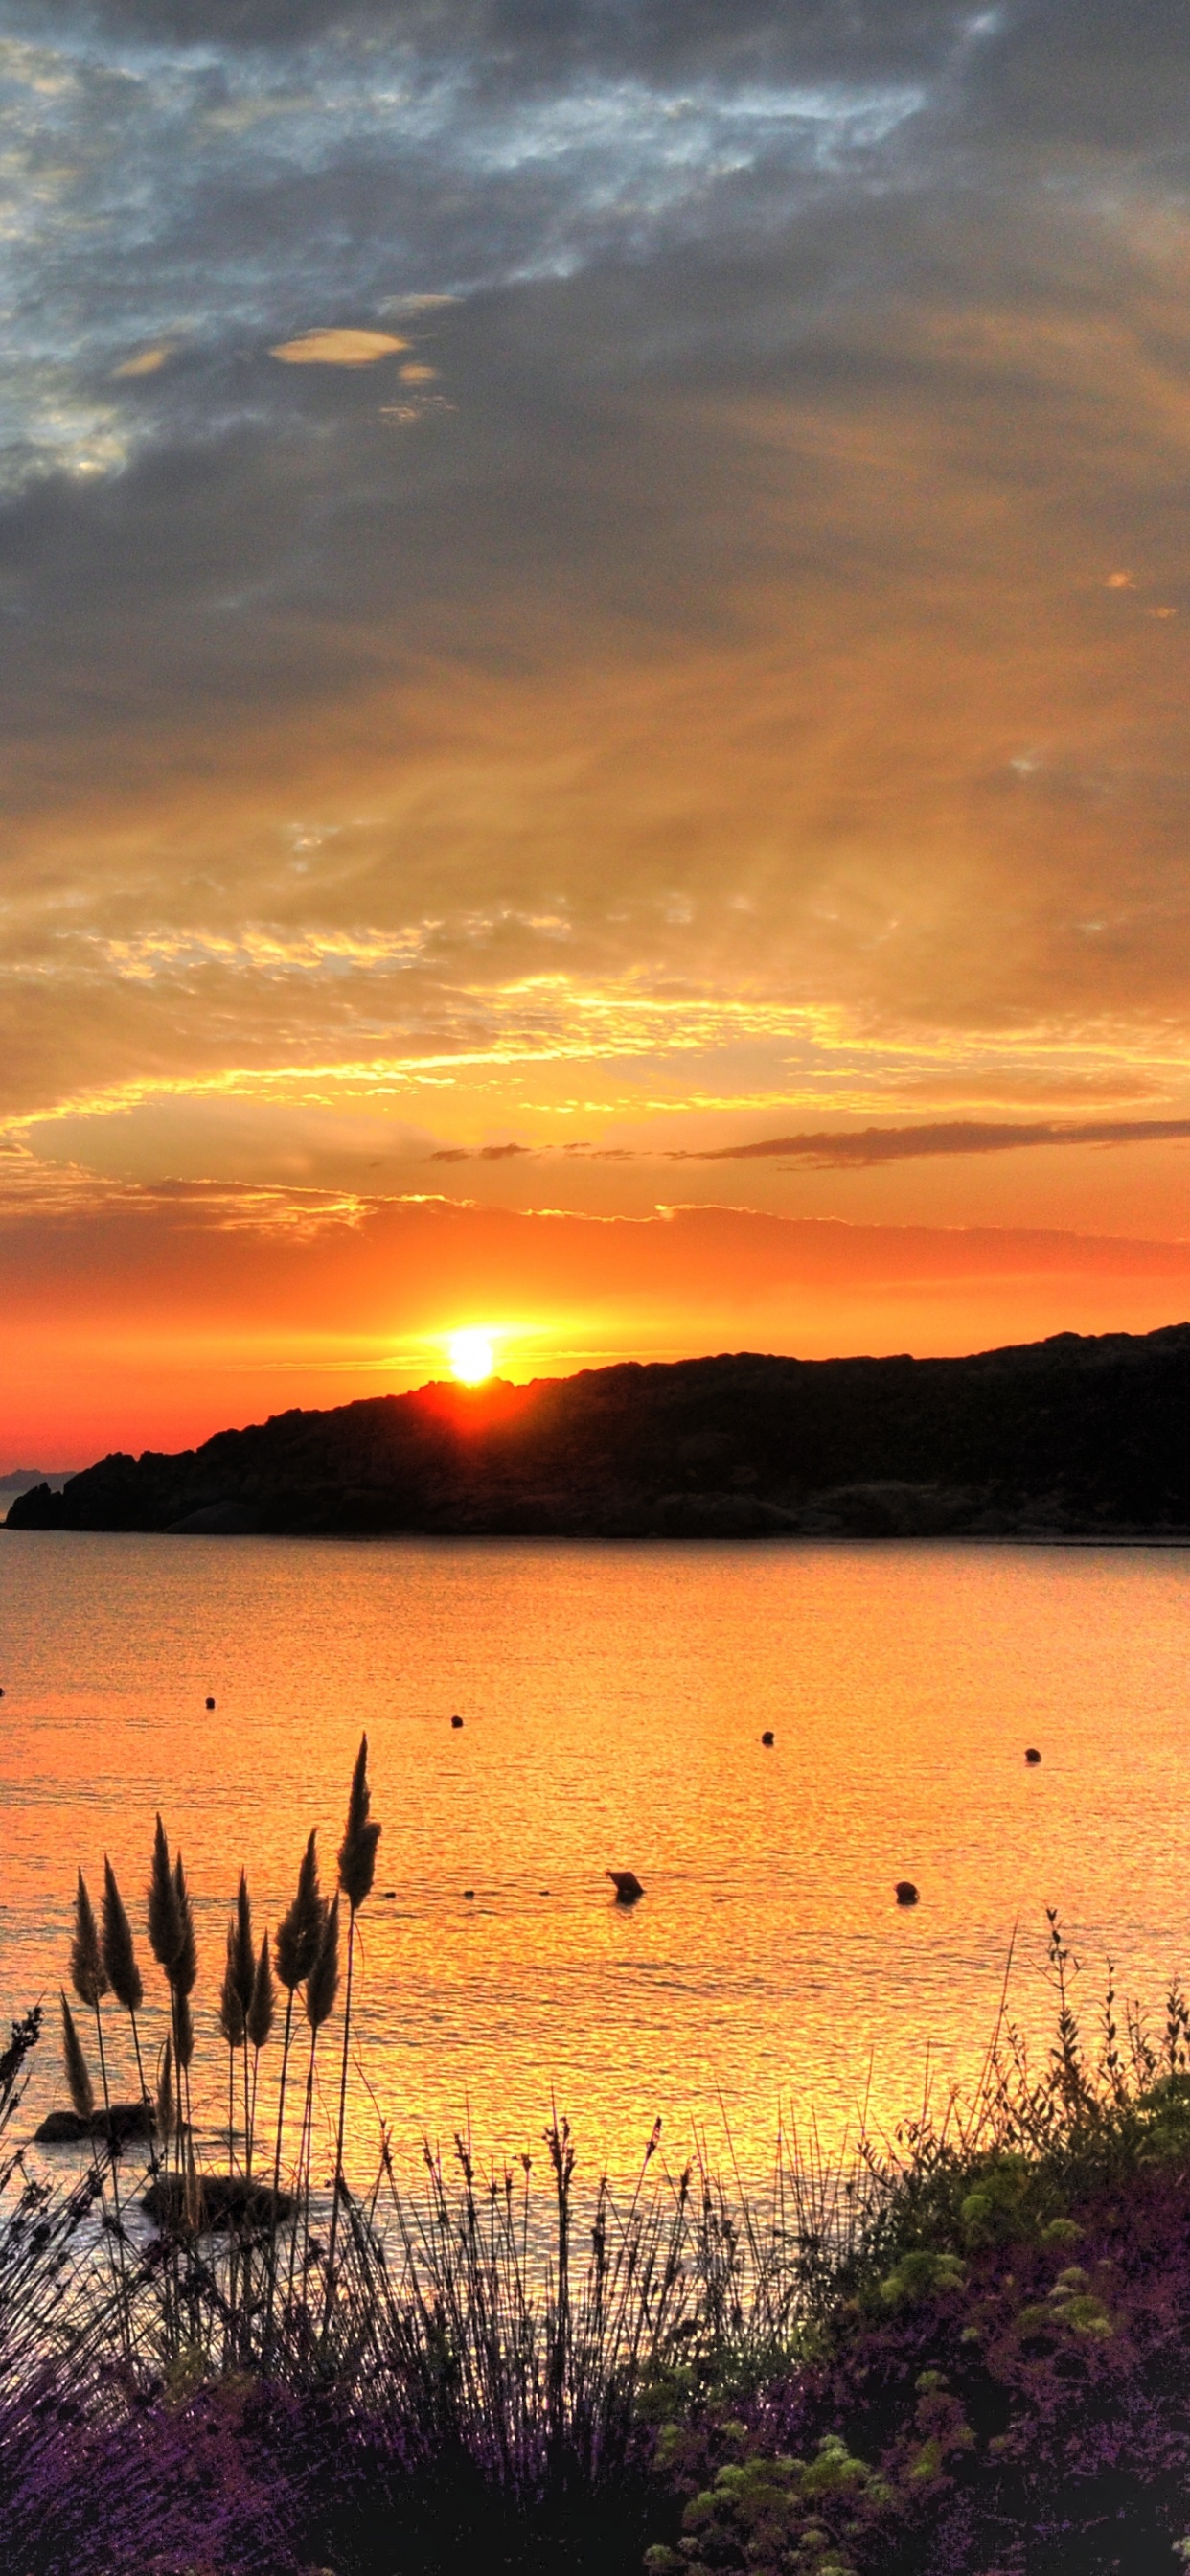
<point>193,2207</point>
<point>1031,1753</point>
<point>456,1721</point>
<point>543,1891</point>
<point>626,1884</point>
<point>469,1893</point>
<point>768,1736</point>
<point>390,1892</point>
<point>66,2129</point>
<point>210,1703</point>
<point>906,1892</point>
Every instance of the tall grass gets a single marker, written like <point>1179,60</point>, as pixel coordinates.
<point>499,2325</point>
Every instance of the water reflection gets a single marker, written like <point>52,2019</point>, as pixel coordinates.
<point>615,1701</point>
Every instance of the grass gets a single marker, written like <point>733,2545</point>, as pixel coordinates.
<point>964,2352</point>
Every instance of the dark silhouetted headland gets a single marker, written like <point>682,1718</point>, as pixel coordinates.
<point>1072,1437</point>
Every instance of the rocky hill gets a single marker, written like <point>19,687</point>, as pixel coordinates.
<point>1065,1437</point>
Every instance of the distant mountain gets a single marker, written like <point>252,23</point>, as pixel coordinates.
<point>16,1479</point>
<point>1068,1437</point>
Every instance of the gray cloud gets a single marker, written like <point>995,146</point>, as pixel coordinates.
<point>866,1146</point>
<point>726,616</point>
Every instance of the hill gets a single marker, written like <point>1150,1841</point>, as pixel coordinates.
<point>1068,1437</point>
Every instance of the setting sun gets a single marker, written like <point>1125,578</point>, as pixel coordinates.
<point>471,1356</point>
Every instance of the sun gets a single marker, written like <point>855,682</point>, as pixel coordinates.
<point>471,1356</point>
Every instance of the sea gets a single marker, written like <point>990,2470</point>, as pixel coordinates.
<point>615,1699</point>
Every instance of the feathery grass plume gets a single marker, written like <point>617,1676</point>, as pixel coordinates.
<point>88,1975</point>
<point>263,2002</point>
<point>295,1948</point>
<point>231,2007</point>
<point>184,2028</point>
<point>244,1956</point>
<point>166,2106</point>
<point>185,1967</point>
<point>77,2076</point>
<point>165,1928</point>
<point>322,1984</point>
<point>356,1874</point>
<point>357,1851</point>
<point>119,1957</point>
<point>357,1865</point>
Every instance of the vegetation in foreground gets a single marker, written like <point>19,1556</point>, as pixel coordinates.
<point>966,2355</point>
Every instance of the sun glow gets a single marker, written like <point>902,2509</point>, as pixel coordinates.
<point>471,1356</point>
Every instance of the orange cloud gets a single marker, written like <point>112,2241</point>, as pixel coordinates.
<point>138,1317</point>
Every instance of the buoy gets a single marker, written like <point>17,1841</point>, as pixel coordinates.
<point>469,1893</point>
<point>627,1885</point>
<point>906,1892</point>
<point>1031,1753</point>
<point>210,1703</point>
<point>768,1736</point>
<point>456,1721</point>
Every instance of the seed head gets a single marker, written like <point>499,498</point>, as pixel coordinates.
<point>322,1985</point>
<point>166,2109</point>
<point>165,1929</point>
<point>245,1962</point>
<point>75,2063</point>
<point>263,2004</point>
<point>119,1957</point>
<point>357,1852</point>
<point>88,1975</point>
<point>185,2030</point>
<point>185,1967</point>
<point>231,2010</point>
<point>296,1946</point>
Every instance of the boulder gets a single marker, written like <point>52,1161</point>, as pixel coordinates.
<point>67,2128</point>
<point>210,2201</point>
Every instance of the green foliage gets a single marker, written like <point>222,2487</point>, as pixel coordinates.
<point>774,2511</point>
<point>921,2275</point>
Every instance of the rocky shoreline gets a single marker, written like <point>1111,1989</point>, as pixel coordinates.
<point>1076,1437</point>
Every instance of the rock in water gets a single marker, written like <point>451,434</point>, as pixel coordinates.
<point>627,1885</point>
<point>61,2129</point>
<point>768,1736</point>
<point>906,1892</point>
<point>213,2201</point>
<point>1031,1753</point>
<point>66,2129</point>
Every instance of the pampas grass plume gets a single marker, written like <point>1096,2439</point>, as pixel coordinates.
<point>357,1854</point>
<point>119,1957</point>
<point>263,2003</point>
<point>299,1936</point>
<point>185,1968</point>
<point>88,1975</point>
<point>165,1930</point>
<point>322,1984</point>
<point>244,1957</point>
<point>166,2109</point>
<point>184,2027</point>
<point>77,2077</point>
<point>231,2007</point>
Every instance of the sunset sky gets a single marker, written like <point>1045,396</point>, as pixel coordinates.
<point>595,600</point>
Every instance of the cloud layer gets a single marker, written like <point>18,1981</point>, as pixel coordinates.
<point>607,579</point>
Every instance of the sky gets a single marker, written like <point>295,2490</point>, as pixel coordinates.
<point>594,598</point>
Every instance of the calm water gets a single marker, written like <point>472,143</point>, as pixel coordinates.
<point>614,1699</point>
